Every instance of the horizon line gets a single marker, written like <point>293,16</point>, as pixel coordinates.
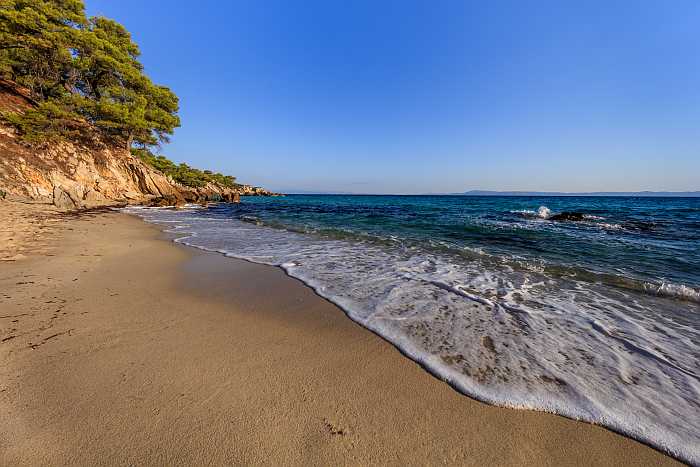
<point>646,193</point>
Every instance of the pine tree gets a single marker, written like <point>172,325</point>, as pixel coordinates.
<point>81,68</point>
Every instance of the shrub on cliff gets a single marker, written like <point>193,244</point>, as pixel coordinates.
<point>183,173</point>
<point>80,69</point>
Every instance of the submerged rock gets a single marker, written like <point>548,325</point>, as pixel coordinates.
<point>568,216</point>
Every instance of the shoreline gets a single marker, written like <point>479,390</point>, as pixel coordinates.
<point>446,377</point>
<point>212,359</point>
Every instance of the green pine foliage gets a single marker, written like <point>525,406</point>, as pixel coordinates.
<point>183,173</point>
<point>48,121</point>
<point>80,69</point>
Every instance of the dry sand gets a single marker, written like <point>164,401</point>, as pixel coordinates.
<point>25,228</point>
<point>119,348</point>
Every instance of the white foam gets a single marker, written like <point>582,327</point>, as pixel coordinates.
<point>543,212</point>
<point>680,291</point>
<point>609,226</point>
<point>509,336</point>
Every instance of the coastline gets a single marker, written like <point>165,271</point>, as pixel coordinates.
<point>130,349</point>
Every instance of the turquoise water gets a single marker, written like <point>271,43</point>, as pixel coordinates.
<point>583,306</point>
<point>647,239</point>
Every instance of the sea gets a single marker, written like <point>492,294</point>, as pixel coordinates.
<point>587,307</point>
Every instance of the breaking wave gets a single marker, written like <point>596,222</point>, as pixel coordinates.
<point>543,212</point>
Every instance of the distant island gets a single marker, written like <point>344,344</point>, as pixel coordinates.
<point>649,194</point>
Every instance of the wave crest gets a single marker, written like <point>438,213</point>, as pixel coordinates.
<point>543,212</point>
<point>669,290</point>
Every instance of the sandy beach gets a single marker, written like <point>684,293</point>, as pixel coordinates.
<point>118,347</point>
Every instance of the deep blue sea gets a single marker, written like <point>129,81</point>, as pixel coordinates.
<point>584,306</point>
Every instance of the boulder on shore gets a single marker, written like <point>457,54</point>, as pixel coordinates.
<point>175,200</point>
<point>231,197</point>
<point>65,199</point>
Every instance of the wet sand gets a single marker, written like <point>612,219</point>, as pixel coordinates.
<point>120,348</point>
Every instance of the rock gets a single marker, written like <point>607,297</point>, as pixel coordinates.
<point>231,197</point>
<point>76,174</point>
<point>175,200</point>
<point>568,216</point>
<point>148,181</point>
<point>93,198</point>
<point>132,195</point>
<point>208,194</point>
<point>190,195</point>
<point>65,200</point>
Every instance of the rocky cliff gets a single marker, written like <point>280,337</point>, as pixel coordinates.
<point>91,173</point>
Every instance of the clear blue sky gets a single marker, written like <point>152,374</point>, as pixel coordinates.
<point>430,96</point>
